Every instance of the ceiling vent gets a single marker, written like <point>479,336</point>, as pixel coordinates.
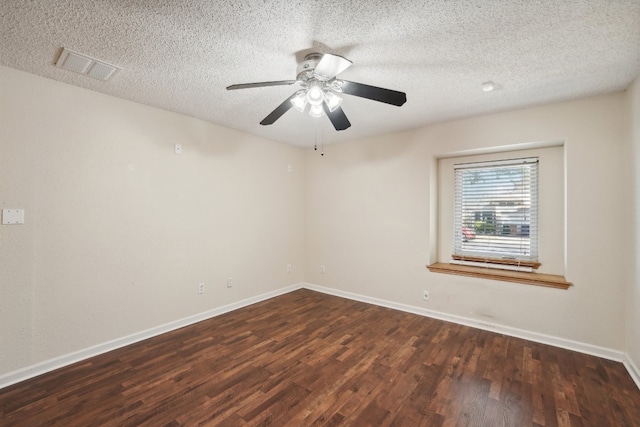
<point>82,64</point>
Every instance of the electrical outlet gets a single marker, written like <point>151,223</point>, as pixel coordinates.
<point>289,268</point>
<point>425,295</point>
<point>322,269</point>
<point>201,288</point>
<point>229,282</point>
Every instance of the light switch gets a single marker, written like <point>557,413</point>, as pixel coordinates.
<point>12,216</point>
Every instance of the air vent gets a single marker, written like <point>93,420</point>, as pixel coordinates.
<point>82,64</point>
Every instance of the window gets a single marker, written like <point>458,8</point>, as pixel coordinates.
<point>499,228</point>
<point>496,212</point>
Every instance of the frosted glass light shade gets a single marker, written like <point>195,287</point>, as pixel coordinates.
<point>300,101</point>
<point>333,101</point>
<point>315,94</point>
<point>316,111</point>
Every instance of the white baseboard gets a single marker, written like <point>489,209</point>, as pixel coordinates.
<point>59,362</point>
<point>581,347</point>
<point>633,370</point>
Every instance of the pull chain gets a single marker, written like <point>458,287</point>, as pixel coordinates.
<point>321,140</point>
<point>315,139</point>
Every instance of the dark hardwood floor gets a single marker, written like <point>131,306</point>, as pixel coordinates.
<point>310,359</point>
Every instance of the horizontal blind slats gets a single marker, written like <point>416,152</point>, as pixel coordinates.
<point>495,212</point>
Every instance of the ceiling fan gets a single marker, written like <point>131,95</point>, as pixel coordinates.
<point>321,89</point>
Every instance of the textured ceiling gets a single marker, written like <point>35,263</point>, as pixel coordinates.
<point>180,55</point>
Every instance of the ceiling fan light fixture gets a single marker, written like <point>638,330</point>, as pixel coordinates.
<point>300,101</point>
<point>332,100</point>
<point>316,111</point>
<point>315,94</point>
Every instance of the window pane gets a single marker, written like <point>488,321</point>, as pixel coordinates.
<point>496,209</point>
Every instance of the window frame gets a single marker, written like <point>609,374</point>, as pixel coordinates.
<point>504,254</point>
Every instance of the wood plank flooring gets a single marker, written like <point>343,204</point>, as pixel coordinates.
<point>310,359</point>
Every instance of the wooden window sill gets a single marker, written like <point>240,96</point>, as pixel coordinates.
<point>538,279</point>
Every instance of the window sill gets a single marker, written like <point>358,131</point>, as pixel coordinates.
<point>537,279</point>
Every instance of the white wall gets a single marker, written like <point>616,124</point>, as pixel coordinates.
<point>371,206</point>
<point>633,295</point>
<point>119,230</point>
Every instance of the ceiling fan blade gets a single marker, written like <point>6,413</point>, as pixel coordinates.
<point>331,65</point>
<point>279,111</point>
<point>338,118</point>
<point>374,93</point>
<point>261,84</point>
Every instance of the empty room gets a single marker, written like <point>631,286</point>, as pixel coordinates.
<point>354,213</point>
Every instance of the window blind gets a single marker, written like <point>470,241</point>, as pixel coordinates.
<point>496,210</point>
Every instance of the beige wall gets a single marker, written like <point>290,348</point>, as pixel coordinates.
<point>633,295</point>
<point>371,209</point>
<point>119,230</point>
